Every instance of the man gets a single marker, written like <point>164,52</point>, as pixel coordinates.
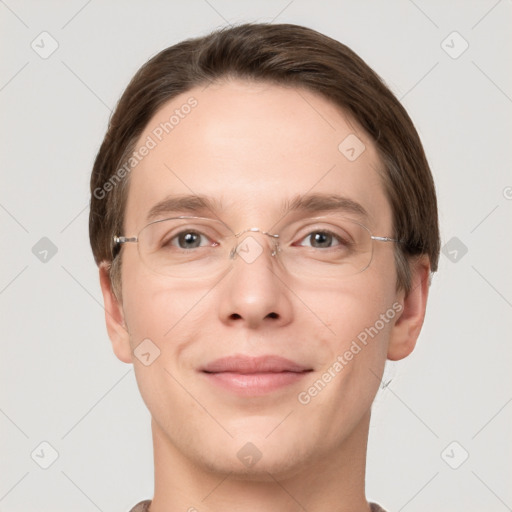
<point>265,224</point>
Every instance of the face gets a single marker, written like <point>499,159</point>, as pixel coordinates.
<point>251,148</point>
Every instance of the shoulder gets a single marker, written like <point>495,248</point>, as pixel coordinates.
<point>143,506</point>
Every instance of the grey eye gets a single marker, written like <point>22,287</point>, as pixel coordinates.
<point>188,240</point>
<point>321,240</point>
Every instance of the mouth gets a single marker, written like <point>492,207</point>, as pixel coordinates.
<point>253,376</point>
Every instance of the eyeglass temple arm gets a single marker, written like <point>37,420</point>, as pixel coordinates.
<point>124,239</point>
<point>385,239</point>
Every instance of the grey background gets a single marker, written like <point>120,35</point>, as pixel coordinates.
<point>61,383</point>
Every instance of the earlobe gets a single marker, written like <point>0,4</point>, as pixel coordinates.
<point>407,327</point>
<point>114,317</point>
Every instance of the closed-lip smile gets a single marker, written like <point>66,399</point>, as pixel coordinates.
<point>252,376</point>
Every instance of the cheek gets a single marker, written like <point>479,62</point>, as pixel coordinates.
<point>161,320</point>
<point>152,304</point>
<point>168,313</point>
<point>358,315</point>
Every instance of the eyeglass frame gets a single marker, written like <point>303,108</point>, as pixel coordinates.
<point>119,240</point>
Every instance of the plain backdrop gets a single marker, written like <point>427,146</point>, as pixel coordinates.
<point>440,434</point>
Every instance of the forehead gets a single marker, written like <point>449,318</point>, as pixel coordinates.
<point>253,148</point>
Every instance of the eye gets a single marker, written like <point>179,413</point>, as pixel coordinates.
<point>322,239</point>
<point>189,239</point>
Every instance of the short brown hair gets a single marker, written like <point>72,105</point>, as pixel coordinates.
<point>282,54</point>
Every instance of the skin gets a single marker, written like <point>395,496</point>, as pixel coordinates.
<point>251,146</point>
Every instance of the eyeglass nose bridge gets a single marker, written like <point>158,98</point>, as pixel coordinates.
<point>275,249</point>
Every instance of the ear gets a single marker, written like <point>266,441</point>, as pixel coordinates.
<point>407,327</point>
<point>114,317</point>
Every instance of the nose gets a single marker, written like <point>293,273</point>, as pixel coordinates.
<point>254,294</point>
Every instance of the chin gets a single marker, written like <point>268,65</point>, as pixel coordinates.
<point>253,460</point>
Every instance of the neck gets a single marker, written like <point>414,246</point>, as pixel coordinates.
<point>326,482</point>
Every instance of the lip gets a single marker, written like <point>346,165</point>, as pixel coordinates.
<point>248,364</point>
<point>252,376</point>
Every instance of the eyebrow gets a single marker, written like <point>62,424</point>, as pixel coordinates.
<point>316,203</point>
<point>309,203</point>
<point>183,204</point>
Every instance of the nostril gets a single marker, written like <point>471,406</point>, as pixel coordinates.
<point>235,316</point>
<point>273,315</point>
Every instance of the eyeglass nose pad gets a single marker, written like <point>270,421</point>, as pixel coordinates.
<point>233,253</point>
<point>276,249</point>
